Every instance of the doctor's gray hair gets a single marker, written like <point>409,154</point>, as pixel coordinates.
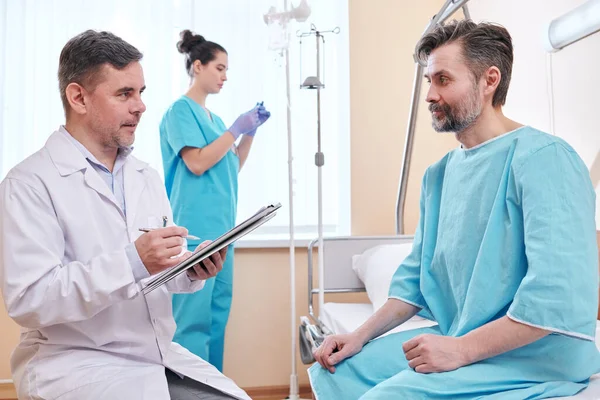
<point>84,55</point>
<point>483,45</point>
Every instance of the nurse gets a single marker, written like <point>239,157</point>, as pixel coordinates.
<point>201,162</point>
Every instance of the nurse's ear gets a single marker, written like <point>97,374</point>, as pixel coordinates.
<point>75,94</point>
<point>198,67</point>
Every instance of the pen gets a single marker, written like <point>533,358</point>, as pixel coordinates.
<point>188,237</point>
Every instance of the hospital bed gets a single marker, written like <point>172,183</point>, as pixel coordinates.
<point>344,259</point>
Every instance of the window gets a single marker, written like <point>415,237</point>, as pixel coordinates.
<point>32,36</point>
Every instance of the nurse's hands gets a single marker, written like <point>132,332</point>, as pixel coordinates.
<point>247,123</point>
<point>336,348</point>
<point>208,267</point>
<point>434,353</point>
<point>158,248</point>
<point>263,116</point>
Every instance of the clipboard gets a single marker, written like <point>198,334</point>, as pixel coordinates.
<point>259,218</point>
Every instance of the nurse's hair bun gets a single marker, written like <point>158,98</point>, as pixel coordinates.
<point>188,41</point>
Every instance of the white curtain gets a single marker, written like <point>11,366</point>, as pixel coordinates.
<point>33,32</point>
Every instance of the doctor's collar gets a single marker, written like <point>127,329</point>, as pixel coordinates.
<point>123,151</point>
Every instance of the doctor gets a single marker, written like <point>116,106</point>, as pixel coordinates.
<point>72,259</point>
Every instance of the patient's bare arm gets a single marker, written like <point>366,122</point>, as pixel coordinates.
<point>498,337</point>
<point>393,313</point>
<point>336,348</point>
<point>435,353</point>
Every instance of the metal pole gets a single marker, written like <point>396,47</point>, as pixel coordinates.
<point>319,162</point>
<point>294,374</point>
<point>408,147</point>
<point>447,10</point>
<point>294,389</point>
<point>466,12</point>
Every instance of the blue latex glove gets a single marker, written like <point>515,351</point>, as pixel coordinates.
<point>263,116</point>
<point>245,123</point>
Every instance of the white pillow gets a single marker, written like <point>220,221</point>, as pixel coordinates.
<point>376,267</point>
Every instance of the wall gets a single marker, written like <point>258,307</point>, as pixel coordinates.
<point>383,34</point>
<point>574,69</point>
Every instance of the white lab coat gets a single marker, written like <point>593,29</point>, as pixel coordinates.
<point>87,331</point>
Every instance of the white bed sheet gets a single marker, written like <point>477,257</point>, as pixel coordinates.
<point>346,317</point>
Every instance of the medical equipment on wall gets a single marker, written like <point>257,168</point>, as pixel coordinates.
<point>563,31</point>
<point>573,26</point>
<point>278,23</point>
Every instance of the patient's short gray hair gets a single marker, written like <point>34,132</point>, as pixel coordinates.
<point>84,55</point>
<point>484,45</point>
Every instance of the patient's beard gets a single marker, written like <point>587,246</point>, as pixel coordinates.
<point>459,118</point>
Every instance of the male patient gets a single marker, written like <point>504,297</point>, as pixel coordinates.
<point>72,259</point>
<point>504,258</point>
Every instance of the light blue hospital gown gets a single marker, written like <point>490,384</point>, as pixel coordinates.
<point>506,228</point>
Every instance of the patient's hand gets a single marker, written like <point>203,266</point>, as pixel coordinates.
<point>336,348</point>
<point>434,353</point>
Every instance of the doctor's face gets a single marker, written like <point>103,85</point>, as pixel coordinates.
<point>115,106</point>
<point>455,98</point>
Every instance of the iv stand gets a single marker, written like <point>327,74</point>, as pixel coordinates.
<point>314,82</point>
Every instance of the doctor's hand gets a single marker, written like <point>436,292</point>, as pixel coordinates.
<point>434,353</point>
<point>208,267</point>
<point>336,348</point>
<point>158,248</point>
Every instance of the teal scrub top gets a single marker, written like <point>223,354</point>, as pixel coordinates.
<point>206,204</point>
